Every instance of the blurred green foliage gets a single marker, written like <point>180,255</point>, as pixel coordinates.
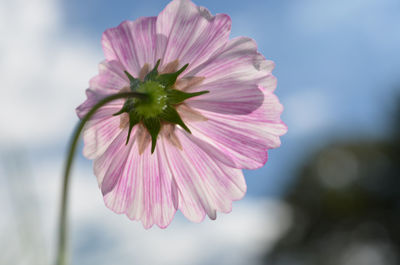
<point>345,206</point>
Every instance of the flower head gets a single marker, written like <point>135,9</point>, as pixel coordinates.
<point>209,111</point>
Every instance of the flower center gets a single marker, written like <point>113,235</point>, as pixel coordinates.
<point>159,105</point>
<point>155,102</point>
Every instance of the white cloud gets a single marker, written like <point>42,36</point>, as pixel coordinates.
<point>43,72</point>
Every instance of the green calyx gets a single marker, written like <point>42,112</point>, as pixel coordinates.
<point>158,106</point>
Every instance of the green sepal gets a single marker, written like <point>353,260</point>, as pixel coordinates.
<point>153,73</point>
<point>153,125</point>
<point>168,80</point>
<point>133,82</point>
<point>133,120</point>
<point>172,116</point>
<point>120,112</point>
<point>177,96</point>
<point>127,107</point>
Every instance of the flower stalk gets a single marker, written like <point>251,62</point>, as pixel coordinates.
<point>61,258</point>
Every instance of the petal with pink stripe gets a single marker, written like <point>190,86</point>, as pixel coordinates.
<point>193,34</point>
<point>141,186</point>
<point>233,77</point>
<point>110,80</point>
<point>100,133</point>
<point>134,43</point>
<point>204,184</point>
<point>244,138</point>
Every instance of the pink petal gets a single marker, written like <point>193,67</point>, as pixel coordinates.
<point>100,133</point>
<point>233,77</point>
<point>115,154</point>
<point>111,77</point>
<point>102,128</point>
<point>204,184</point>
<point>193,34</point>
<point>110,80</point>
<point>243,116</point>
<point>133,43</point>
<point>141,186</point>
<point>244,138</point>
<point>94,97</point>
<point>239,55</point>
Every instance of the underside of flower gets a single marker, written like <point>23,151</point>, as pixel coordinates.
<point>158,107</point>
<point>196,171</point>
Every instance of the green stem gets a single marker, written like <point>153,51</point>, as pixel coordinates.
<point>62,232</point>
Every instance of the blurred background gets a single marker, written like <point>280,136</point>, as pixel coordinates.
<point>328,195</point>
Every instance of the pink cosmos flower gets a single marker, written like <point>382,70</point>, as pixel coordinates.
<point>210,112</point>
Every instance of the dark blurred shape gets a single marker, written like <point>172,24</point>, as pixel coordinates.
<point>346,206</point>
